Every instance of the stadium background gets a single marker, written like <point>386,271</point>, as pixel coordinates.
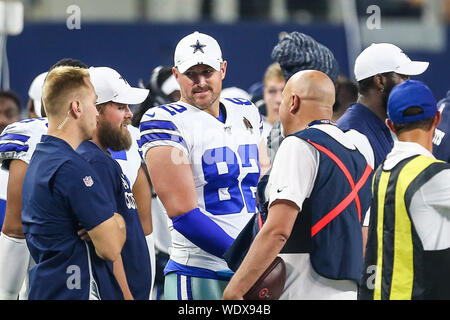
<point>135,36</point>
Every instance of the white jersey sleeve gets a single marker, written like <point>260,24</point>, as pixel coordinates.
<point>284,181</point>
<point>162,126</point>
<point>19,140</point>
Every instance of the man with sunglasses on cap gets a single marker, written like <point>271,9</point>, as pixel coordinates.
<point>408,249</point>
<point>202,156</point>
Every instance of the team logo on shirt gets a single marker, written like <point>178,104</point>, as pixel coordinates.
<point>125,183</point>
<point>88,182</point>
<point>248,125</point>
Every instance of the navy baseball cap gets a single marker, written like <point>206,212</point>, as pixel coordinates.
<point>411,93</point>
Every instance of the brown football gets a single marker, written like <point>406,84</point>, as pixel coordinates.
<point>271,283</point>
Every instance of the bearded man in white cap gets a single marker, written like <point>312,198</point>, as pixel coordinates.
<point>112,135</point>
<point>202,156</point>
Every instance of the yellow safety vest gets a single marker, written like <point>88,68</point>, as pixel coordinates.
<point>395,266</point>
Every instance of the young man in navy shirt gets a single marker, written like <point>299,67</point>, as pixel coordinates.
<point>62,193</point>
<point>114,95</point>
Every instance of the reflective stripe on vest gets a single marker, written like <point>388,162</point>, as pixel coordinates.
<point>353,195</point>
<point>401,283</point>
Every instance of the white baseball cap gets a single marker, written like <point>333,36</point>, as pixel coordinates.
<point>386,57</point>
<point>170,85</point>
<point>35,92</point>
<point>111,86</point>
<point>197,48</point>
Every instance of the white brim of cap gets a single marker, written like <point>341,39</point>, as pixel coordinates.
<point>413,68</point>
<point>170,85</point>
<point>37,107</point>
<point>130,96</point>
<point>213,63</point>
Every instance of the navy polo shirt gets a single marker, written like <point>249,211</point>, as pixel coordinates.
<point>135,255</point>
<point>60,192</point>
<point>441,140</point>
<point>363,120</point>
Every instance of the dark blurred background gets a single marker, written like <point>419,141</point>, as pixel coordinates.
<point>135,36</point>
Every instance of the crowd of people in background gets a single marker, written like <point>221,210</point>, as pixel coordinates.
<point>207,185</point>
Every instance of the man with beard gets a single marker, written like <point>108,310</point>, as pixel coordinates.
<point>202,155</point>
<point>60,192</point>
<point>114,95</point>
<point>378,69</point>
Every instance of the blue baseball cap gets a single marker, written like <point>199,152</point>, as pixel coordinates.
<point>411,93</point>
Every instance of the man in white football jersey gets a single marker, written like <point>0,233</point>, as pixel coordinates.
<point>17,144</point>
<point>202,156</point>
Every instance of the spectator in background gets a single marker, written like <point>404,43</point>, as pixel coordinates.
<point>273,82</point>
<point>273,87</point>
<point>9,108</point>
<point>346,94</point>
<point>441,140</point>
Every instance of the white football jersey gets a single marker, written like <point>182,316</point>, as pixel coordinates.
<point>3,189</point>
<point>130,160</point>
<point>224,161</point>
<point>19,140</point>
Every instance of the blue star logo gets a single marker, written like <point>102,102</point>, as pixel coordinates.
<point>198,47</point>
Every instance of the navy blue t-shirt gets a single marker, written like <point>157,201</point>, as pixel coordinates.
<point>441,140</point>
<point>363,120</point>
<point>60,192</point>
<point>135,256</point>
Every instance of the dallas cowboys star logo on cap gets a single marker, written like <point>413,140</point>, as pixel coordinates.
<point>198,47</point>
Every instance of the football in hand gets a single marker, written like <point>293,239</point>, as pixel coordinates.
<point>271,283</point>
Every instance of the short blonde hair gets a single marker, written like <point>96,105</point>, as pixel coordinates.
<point>62,84</point>
<point>273,72</point>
